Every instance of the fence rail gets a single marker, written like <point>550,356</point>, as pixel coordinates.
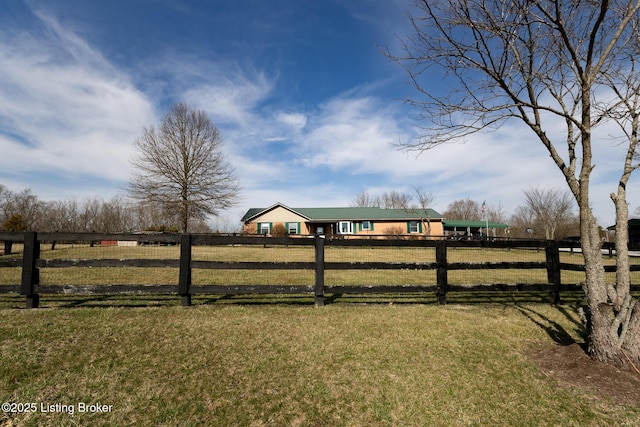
<point>31,263</point>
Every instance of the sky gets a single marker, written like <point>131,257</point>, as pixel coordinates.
<point>310,109</point>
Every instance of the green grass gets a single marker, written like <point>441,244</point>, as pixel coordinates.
<point>341,365</point>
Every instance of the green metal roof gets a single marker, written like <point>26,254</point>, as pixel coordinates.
<point>350,213</point>
<point>450,224</point>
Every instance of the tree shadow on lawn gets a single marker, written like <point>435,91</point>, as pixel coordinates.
<point>555,330</point>
<point>569,364</point>
<point>169,300</point>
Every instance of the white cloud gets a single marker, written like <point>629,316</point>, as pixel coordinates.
<point>229,101</point>
<point>296,121</point>
<point>63,108</point>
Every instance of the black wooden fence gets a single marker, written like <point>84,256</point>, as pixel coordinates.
<point>31,263</point>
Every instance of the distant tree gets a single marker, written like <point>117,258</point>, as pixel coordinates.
<point>365,200</point>
<point>420,206</point>
<point>523,224</point>
<point>16,223</point>
<point>181,167</point>
<point>545,63</point>
<point>24,204</point>
<point>463,209</point>
<point>395,200</point>
<point>552,211</point>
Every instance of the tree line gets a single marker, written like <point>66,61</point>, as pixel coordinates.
<point>23,210</point>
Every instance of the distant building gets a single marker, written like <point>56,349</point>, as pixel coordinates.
<point>353,221</point>
<point>634,232</point>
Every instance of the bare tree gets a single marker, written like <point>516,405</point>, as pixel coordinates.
<point>181,167</point>
<point>463,209</point>
<point>420,207</point>
<point>542,62</point>
<point>23,207</point>
<point>392,199</point>
<point>365,200</point>
<point>395,200</point>
<point>552,209</point>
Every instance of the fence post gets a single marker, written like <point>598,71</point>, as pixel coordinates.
<point>553,270</point>
<point>8,245</point>
<point>441,272</point>
<point>30,272</point>
<point>319,285</point>
<point>184,283</point>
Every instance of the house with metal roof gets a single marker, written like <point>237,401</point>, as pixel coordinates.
<point>355,221</point>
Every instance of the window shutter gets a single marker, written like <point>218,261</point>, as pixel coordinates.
<point>420,226</point>
<point>408,227</point>
<point>371,225</point>
<point>359,226</point>
<point>299,229</point>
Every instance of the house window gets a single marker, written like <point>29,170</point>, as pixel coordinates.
<point>366,226</point>
<point>413,227</point>
<point>345,227</point>
<point>292,228</point>
<point>264,228</point>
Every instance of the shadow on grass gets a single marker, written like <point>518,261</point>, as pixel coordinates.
<point>555,330</point>
<point>13,301</point>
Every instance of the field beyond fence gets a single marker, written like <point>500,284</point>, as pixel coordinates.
<point>35,264</point>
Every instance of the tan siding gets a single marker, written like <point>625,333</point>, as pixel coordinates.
<point>279,215</point>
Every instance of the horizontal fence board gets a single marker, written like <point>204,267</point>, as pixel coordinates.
<point>571,267</point>
<point>107,289</point>
<point>15,262</point>
<point>502,287</point>
<point>117,263</point>
<point>495,265</point>
<point>248,265</point>
<point>9,289</point>
<point>11,237</point>
<point>380,266</point>
<point>378,289</point>
<point>251,289</point>
<point>98,237</point>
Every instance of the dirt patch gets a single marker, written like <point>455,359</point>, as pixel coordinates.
<point>571,366</point>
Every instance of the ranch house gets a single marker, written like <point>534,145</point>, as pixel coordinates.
<point>353,221</point>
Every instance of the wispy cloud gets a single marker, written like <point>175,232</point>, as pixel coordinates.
<point>63,108</point>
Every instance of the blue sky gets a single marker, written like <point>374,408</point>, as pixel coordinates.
<point>309,107</point>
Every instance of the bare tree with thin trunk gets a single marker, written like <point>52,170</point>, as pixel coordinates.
<point>552,209</point>
<point>181,167</point>
<point>542,62</point>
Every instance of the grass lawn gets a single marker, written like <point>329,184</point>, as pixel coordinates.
<point>254,365</point>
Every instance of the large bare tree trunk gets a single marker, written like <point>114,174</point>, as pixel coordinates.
<point>613,320</point>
